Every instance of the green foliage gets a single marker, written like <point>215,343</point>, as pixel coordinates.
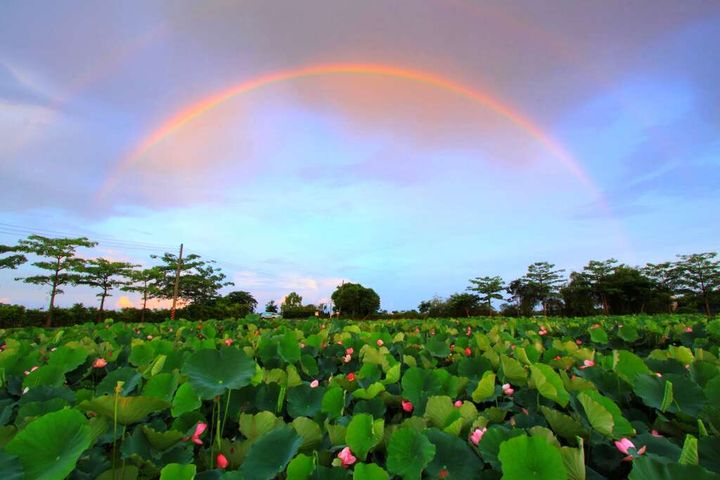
<point>354,300</point>
<point>531,458</point>
<point>50,446</point>
<point>213,372</point>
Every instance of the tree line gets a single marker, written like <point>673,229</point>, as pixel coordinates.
<point>608,287</point>
<point>59,266</point>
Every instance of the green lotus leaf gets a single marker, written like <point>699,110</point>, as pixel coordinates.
<point>270,454</point>
<point>185,400</point>
<point>129,409</point>
<point>369,471</point>
<point>363,433</point>
<point>175,471</point>
<point>409,452</point>
<point>68,358</point>
<point>549,384</point>
<point>50,446</point>
<point>304,401</point>
<point>531,458</point>
<point>213,372</point>
<point>454,456</point>
<point>300,467</point>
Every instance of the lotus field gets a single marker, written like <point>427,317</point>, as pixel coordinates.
<point>478,398</point>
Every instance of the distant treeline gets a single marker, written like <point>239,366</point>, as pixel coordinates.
<point>687,285</point>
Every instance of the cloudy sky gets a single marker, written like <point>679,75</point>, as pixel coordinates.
<point>405,145</point>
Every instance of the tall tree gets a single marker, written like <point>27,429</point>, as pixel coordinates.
<point>578,295</point>
<point>62,263</point>
<point>699,274</point>
<point>665,277</point>
<point>354,300</point>
<point>489,289</point>
<point>544,281</point>
<point>463,303</point>
<point>597,273</point>
<point>11,261</point>
<point>105,275</point>
<point>144,282</point>
<point>199,283</point>
<point>241,298</point>
<point>292,300</point>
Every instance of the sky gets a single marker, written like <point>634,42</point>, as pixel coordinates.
<point>405,145</point>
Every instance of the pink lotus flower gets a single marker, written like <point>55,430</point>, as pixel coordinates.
<point>688,330</point>
<point>346,457</point>
<point>228,342</point>
<point>556,357</point>
<point>655,433</point>
<point>407,406</point>
<point>507,389</point>
<point>99,363</point>
<point>314,384</point>
<point>477,435</point>
<point>149,337</point>
<point>658,374</point>
<point>379,342</point>
<point>624,445</point>
<point>339,342</point>
<point>302,345</point>
<point>578,341</point>
<point>199,429</point>
<point>587,364</point>
<point>350,377</point>
<point>347,358</point>
<point>542,331</point>
<point>458,403</point>
<point>468,351</point>
<point>221,461</point>
<point>349,351</point>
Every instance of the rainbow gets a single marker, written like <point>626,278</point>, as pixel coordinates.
<point>482,98</point>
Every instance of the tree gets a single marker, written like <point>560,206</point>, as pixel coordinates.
<point>540,284</point>
<point>597,273</point>
<point>355,300</point>
<point>489,288</point>
<point>271,307</point>
<point>665,278</point>
<point>144,282</point>
<point>241,298</point>
<point>578,295</point>
<point>11,261</point>
<point>105,275</point>
<point>292,300</point>
<point>435,307</point>
<point>628,290</point>
<point>699,274</point>
<point>62,267</point>
<point>199,279</point>
<point>463,303</point>
<point>525,294</point>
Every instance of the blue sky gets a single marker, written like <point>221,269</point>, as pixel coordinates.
<point>403,187</point>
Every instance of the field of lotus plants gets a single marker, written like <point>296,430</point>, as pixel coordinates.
<point>478,398</point>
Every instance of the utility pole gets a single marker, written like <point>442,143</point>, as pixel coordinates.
<point>177,284</point>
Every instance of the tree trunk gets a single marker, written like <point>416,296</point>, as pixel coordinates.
<point>48,322</point>
<point>102,305</point>
<point>142,312</point>
<point>707,304</point>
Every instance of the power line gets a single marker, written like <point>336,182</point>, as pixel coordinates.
<point>10,229</point>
